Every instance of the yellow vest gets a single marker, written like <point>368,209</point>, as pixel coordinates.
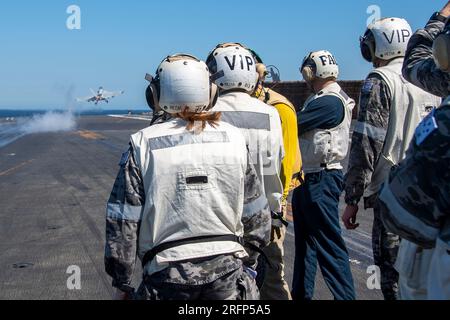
<point>272,98</point>
<point>275,99</point>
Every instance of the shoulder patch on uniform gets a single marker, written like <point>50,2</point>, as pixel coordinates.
<point>426,128</point>
<point>125,158</point>
<point>367,86</point>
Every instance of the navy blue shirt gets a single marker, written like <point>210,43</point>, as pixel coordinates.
<point>326,112</point>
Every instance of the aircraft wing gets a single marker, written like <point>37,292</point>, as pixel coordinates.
<point>86,99</point>
<point>109,95</point>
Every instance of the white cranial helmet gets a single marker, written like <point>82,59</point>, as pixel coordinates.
<point>233,67</point>
<point>182,82</point>
<point>386,39</point>
<point>319,64</point>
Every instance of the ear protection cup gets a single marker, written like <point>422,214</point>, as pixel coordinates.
<point>155,90</point>
<point>149,98</point>
<point>214,95</point>
<point>152,95</point>
<point>367,45</point>
<point>308,74</point>
<point>211,63</point>
<point>368,51</point>
<point>441,51</point>
<point>308,69</point>
<point>261,69</point>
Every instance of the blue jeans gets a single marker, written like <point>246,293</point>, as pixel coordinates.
<point>318,237</point>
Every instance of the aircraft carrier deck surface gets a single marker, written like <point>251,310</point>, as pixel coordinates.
<point>53,192</point>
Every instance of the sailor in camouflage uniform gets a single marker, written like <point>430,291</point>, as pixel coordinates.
<point>420,67</point>
<point>187,200</point>
<point>415,200</point>
<point>390,109</point>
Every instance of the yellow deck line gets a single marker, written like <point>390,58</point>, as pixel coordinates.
<point>7,172</point>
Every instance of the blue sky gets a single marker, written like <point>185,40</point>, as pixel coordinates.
<point>42,63</point>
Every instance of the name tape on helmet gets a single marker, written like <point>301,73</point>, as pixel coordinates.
<point>402,36</point>
<point>245,62</point>
<point>327,60</point>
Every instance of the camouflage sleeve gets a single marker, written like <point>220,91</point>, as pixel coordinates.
<point>123,217</point>
<point>368,137</point>
<point>419,67</point>
<point>256,217</point>
<point>416,201</point>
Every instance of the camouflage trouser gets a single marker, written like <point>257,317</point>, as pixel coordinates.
<point>275,286</point>
<point>237,285</point>
<point>385,249</point>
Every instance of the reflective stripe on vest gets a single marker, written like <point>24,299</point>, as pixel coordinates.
<point>188,138</point>
<point>247,120</point>
<point>122,211</point>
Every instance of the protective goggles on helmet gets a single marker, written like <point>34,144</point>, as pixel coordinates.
<point>367,46</point>
<point>307,62</point>
<point>308,68</point>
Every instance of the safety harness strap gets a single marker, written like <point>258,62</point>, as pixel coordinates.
<point>279,216</point>
<point>150,255</point>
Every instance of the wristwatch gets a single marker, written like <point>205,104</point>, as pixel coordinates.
<point>439,17</point>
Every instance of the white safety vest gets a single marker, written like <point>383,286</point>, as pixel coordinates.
<point>261,126</point>
<point>324,149</point>
<point>424,274</point>
<point>409,105</point>
<point>413,266</point>
<point>439,273</point>
<point>194,187</point>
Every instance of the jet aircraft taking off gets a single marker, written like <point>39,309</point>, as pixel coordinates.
<point>100,96</point>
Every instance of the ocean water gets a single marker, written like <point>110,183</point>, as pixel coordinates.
<point>15,124</point>
<point>9,132</point>
<point>8,113</point>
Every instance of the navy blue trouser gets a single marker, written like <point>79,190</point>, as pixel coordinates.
<point>318,237</point>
